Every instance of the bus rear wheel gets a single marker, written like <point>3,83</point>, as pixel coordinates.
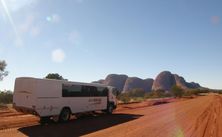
<point>65,115</point>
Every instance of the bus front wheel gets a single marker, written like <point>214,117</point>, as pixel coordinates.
<point>110,109</point>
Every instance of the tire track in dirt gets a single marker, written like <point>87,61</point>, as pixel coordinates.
<point>209,122</point>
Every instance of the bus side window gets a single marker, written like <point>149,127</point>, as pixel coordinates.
<point>105,92</point>
<point>86,92</point>
<point>65,92</point>
<point>102,92</point>
<point>94,91</point>
<point>71,90</point>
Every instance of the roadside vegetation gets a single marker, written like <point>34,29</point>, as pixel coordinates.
<point>139,95</point>
<point>5,97</point>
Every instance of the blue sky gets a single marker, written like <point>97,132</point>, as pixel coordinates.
<point>84,40</point>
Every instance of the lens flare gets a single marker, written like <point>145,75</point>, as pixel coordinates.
<point>10,18</point>
<point>48,18</point>
<point>179,133</point>
<point>9,15</point>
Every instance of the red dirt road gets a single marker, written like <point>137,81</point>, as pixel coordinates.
<point>198,117</point>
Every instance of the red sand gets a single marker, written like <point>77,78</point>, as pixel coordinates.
<point>198,117</point>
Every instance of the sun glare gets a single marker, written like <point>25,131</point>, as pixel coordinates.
<point>7,12</point>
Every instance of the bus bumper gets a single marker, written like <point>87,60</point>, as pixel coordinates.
<point>25,110</point>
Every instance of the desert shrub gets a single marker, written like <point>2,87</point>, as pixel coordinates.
<point>168,94</point>
<point>188,93</point>
<point>158,94</point>
<point>148,95</point>
<point>6,97</point>
<point>218,92</point>
<point>196,92</point>
<point>136,95</point>
<point>124,97</point>
<point>177,91</point>
<point>138,99</point>
<point>205,91</point>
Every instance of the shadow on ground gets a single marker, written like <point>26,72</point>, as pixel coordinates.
<point>78,127</point>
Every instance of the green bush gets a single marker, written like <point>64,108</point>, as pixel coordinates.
<point>124,97</point>
<point>196,92</point>
<point>6,97</point>
<point>138,99</point>
<point>136,95</point>
<point>177,91</point>
<point>54,76</point>
<point>158,94</point>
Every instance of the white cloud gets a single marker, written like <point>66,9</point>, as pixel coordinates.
<point>9,6</point>
<point>74,37</point>
<point>54,18</point>
<point>58,55</point>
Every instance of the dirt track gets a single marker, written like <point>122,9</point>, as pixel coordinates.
<point>199,117</point>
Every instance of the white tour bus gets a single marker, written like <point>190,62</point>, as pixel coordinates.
<point>59,98</point>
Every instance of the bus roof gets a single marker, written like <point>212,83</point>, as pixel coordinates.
<point>66,81</point>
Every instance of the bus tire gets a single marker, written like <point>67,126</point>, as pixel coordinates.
<point>110,109</point>
<point>65,115</point>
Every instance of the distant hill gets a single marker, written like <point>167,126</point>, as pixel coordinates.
<point>134,82</point>
<point>164,81</point>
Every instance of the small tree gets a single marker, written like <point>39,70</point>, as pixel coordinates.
<point>177,91</point>
<point>3,73</point>
<point>159,93</point>
<point>54,76</point>
<point>6,97</point>
<point>124,97</point>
